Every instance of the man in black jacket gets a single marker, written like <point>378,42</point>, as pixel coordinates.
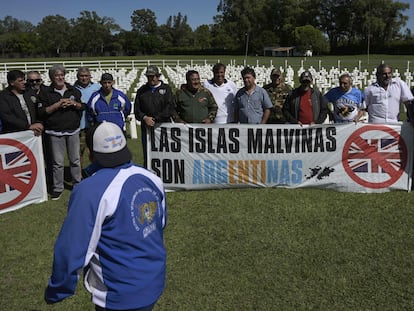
<point>61,107</point>
<point>17,106</point>
<point>305,105</point>
<point>153,104</point>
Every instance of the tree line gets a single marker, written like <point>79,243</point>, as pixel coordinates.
<point>240,26</point>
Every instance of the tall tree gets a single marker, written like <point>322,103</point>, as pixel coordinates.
<point>221,38</point>
<point>93,34</point>
<point>202,37</point>
<point>54,33</point>
<point>144,21</point>
<point>17,36</point>
<point>130,42</point>
<point>176,32</point>
<point>240,19</point>
<point>351,22</point>
<point>11,24</point>
<point>145,28</point>
<point>345,22</point>
<point>309,38</point>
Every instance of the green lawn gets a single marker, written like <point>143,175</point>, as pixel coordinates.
<point>246,249</point>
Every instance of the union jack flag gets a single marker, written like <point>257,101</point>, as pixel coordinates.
<point>375,155</point>
<point>15,171</point>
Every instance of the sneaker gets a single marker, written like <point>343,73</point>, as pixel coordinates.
<point>55,195</point>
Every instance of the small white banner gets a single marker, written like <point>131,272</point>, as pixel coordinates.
<point>343,157</point>
<point>22,174</point>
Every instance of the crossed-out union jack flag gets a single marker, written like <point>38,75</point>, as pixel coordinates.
<point>15,171</point>
<point>375,155</point>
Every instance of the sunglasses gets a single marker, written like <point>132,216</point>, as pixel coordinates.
<point>34,80</point>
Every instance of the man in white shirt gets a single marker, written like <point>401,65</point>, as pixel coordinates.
<point>223,91</point>
<point>384,97</point>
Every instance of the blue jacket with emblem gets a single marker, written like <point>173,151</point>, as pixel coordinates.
<point>114,231</point>
<point>116,111</point>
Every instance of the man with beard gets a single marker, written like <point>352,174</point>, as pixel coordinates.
<point>306,105</point>
<point>34,82</point>
<point>383,98</point>
<point>252,104</point>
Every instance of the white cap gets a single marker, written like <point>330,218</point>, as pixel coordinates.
<point>109,145</point>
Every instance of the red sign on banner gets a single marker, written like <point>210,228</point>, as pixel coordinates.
<point>18,172</point>
<point>375,156</point>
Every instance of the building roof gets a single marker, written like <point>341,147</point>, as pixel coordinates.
<point>280,49</point>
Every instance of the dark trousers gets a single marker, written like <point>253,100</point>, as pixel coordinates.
<point>144,143</point>
<point>147,308</point>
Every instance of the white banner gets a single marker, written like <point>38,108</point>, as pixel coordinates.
<point>343,157</point>
<point>22,173</point>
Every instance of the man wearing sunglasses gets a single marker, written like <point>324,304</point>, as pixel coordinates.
<point>34,82</point>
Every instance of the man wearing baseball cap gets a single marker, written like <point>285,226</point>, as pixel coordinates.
<point>306,105</point>
<point>278,92</point>
<point>113,231</point>
<point>108,104</point>
<point>153,104</point>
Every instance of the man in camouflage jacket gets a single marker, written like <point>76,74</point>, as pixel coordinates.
<point>278,92</point>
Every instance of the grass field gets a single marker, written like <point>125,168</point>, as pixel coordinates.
<point>244,249</point>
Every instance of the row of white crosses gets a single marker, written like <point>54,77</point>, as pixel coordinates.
<point>325,80</point>
<point>322,78</point>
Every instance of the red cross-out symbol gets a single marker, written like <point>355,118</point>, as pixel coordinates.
<point>11,177</point>
<point>372,161</point>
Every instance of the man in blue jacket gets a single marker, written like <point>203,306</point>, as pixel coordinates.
<point>113,230</point>
<point>108,104</point>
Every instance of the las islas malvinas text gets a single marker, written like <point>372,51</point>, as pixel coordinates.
<point>224,155</point>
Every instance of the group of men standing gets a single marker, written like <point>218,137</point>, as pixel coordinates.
<point>60,112</point>
<point>218,101</point>
<point>306,105</point>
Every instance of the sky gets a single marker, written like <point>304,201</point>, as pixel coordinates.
<point>198,12</point>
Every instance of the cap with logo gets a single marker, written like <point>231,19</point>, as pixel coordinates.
<point>152,71</point>
<point>109,145</point>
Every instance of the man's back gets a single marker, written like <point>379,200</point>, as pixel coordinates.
<point>119,214</point>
